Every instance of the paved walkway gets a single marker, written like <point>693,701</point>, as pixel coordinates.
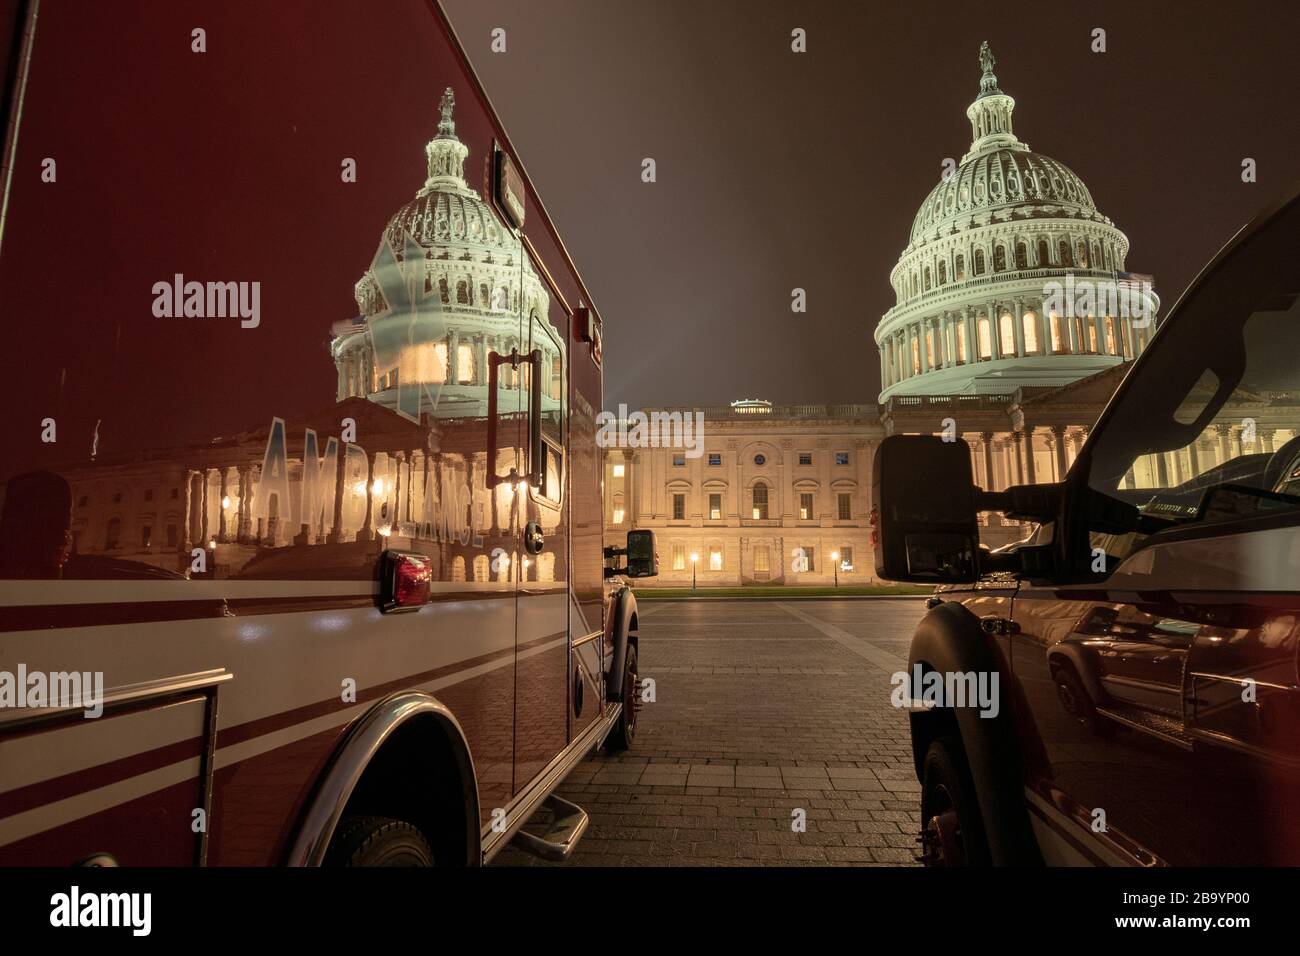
<point>766,714</point>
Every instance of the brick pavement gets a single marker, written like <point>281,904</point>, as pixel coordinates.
<point>762,708</point>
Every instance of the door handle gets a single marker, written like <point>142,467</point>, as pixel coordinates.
<point>495,360</point>
<point>536,450</point>
<point>999,626</point>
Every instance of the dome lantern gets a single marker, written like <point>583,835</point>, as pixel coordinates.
<point>446,154</point>
<point>990,114</point>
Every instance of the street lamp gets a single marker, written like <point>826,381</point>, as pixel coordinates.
<point>694,557</point>
<point>835,563</point>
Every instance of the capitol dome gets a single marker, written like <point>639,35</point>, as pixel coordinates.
<point>981,283</point>
<point>426,350</point>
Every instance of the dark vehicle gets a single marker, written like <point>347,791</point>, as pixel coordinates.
<point>1144,639</point>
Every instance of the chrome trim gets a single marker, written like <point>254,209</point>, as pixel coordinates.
<point>528,802</point>
<point>349,763</point>
<point>578,642</point>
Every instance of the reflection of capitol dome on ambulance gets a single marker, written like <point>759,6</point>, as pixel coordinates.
<point>424,334</point>
<point>997,248</point>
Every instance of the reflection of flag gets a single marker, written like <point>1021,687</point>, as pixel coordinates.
<point>409,336</point>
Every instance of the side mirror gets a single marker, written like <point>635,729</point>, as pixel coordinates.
<point>923,511</point>
<point>642,561</point>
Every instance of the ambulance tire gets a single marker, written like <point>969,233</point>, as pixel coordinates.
<point>378,841</point>
<point>624,732</point>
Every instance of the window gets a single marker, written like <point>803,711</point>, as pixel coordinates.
<point>979,262</point>
<point>715,458</point>
<point>679,557</point>
<point>846,558</point>
<point>1188,425</point>
<point>760,501</point>
<point>618,471</point>
<point>961,342</point>
<point>943,272</point>
<point>1064,249</point>
<point>841,458</point>
<point>1030,321</point>
<point>1022,256</point>
<point>1007,334</point>
<point>618,510</point>
<point>959,268</point>
<point>805,507</point>
<point>146,536</point>
<point>715,507</point>
<point>1058,334</point>
<point>679,507</point>
<point>760,460</point>
<point>465,364</point>
<point>803,559</point>
<point>679,461</point>
<point>482,565</point>
<point>845,506</point>
<point>1000,258</point>
<point>805,458</point>
<point>986,339</point>
<point>715,557</point>
<point>762,560</point>
<point>1044,256</point>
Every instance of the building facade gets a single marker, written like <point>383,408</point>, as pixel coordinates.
<point>776,495</point>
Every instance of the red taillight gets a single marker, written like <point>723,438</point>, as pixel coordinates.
<point>405,581</point>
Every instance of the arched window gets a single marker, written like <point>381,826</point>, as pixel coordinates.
<point>482,566</point>
<point>618,512</point>
<point>1007,333</point>
<point>960,336</point>
<point>1000,258</point>
<point>760,500</point>
<point>465,363</point>
<point>929,349</point>
<point>959,269</point>
<point>1064,249</point>
<point>113,534</point>
<point>1031,332</point>
<point>442,290</point>
<point>986,338</point>
<point>1112,342</point>
<point>458,568</point>
<point>483,301</point>
<point>1022,256</point>
<point>979,262</point>
<point>916,356</point>
<point>1083,254</point>
<point>462,298</point>
<point>927,278</point>
<point>943,272</point>
<point>1058,334</point>
<point>1044,255</point>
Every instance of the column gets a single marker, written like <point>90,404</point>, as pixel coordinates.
<point>1016,441</point>
<point>995,350</point>
<point>1030,477</point>
<point>987,438</point>
<point>453,362</point>
<point>1018,320</point>
<point>972,347</point>
<point>1058,436</point>
<point>1225,449</point>
<point>222,535</point>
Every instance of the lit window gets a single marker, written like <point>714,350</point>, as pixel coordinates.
<point>1031,332</point>
<point>841,458</point>
<point>618,516</point>
<point>679,461</point>
<point>618,471</point>
<point>985,339</point>
<point>1007,334</point>
<point>805,507</point>
<point>1058,335</point>
<point>465,364</point>
<point>715,458</point>
<point>679,557</point>
<point>760,501</point>
<point>846,558</point>
<point>715,557</point>
<point>715,507</point>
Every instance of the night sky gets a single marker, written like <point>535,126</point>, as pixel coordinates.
<point>778,170</point>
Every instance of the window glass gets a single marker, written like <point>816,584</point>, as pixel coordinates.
<point>760,501</point>
<point>679,507</point>
<point>805,458</point>
<point>1208,426</point>
<point>679,557</point>
<point>805,507</point>
<point>715,506</point>
<point>841,458</point>
<point>845,506</point>
<point>715,557</point>
<point>715,458</point>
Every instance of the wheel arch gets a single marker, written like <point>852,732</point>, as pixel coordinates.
<point>950,639</point>
<point>407,737</point>
<point>623,631</point>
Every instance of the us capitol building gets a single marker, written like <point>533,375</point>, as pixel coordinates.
<point>980,342</point>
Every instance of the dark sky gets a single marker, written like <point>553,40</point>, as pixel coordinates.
<point>778,170</point>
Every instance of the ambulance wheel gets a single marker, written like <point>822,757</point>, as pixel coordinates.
<point>378,841</point>
<point>621,737</point>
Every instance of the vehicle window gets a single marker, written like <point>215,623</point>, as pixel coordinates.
<point>1208,428</point>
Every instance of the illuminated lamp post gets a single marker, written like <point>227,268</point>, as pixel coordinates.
<point>835,563</point>
<point>694,557</point>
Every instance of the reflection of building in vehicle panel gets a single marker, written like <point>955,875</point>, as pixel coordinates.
<point>465,302</point>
